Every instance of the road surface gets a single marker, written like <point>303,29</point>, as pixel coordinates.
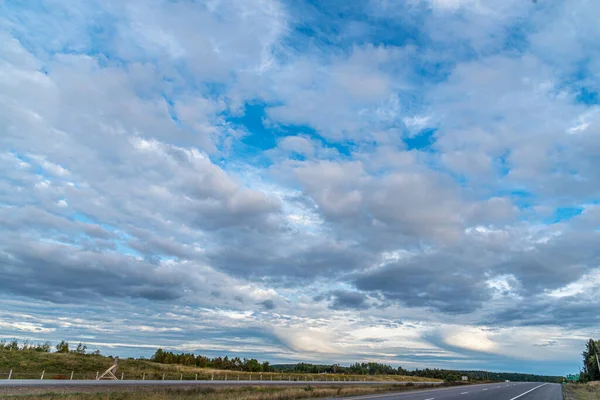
<point>494,391</point>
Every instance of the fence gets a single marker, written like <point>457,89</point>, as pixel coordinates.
<point>154,375</point>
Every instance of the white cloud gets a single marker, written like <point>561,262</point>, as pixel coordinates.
<point>583,285</point>
<point>123,157</point>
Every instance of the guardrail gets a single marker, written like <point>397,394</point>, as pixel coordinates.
<point>73,375</point>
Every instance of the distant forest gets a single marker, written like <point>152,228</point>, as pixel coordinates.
<point>371,368</point>
<point>445,374</point>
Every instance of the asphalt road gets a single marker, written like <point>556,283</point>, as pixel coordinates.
<point>494,391</point>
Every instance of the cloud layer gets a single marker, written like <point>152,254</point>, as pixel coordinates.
<point>411,183</point>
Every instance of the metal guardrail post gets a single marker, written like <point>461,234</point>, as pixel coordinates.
<point>43,372</point>
<point>72,375</point>
<point>10,374</point>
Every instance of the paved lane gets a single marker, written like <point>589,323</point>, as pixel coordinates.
<point>494,391</point>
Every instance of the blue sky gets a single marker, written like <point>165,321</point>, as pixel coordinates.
<point>412,182</point>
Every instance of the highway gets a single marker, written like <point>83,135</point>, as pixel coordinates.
<point>494,391</point>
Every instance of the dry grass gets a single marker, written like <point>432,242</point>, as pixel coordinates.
<point>591,391</point>
<point>242,393</point>
<point>29,365</point>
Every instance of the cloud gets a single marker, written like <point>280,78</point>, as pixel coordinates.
<point>429,281</point>
<point>347,300</point>
<point>268,304</point>
<point>259,175</point>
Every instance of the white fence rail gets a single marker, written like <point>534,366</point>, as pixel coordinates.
<point>74,375</point>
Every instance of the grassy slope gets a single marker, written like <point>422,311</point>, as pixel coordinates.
<point>582,391</point>
<point>29,364</point>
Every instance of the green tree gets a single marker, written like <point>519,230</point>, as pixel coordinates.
<point>266,367</point>
<point>590,361</point>
<point>43,348</point>
<point>62,347</point>
<point>159,356</point>
<point>13,345</point>
<point>81,348</point>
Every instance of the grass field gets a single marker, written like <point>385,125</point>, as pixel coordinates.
<point>590,391</point>
<point>30,364</point>
<point>241,393</point>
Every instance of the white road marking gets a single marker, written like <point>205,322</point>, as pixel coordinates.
<point>464,392</point>
<point>370,397</point>
<point>529,391</point>
<point>431,398</point>
<point>484,390</point>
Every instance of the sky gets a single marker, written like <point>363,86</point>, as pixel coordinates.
<point>409,182</point>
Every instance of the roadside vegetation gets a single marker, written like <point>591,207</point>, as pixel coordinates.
<point>590,355</point>
<point>582,391</point>
<point>236,393</point>
<point>588,387</point>
<point>29,360</point>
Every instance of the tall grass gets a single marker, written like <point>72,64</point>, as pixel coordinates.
<point>581,391</point>
<point>244,393</point>
<point>30,364</point>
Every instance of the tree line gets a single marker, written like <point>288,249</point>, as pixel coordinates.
<point>46,347</point>
<point>590,371</point>
<point>226,363</point>
<point>591,356</point>
<point>365,368</point>
<point>456,375</point>
<point>444,374</point>
<point>370,368</point>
